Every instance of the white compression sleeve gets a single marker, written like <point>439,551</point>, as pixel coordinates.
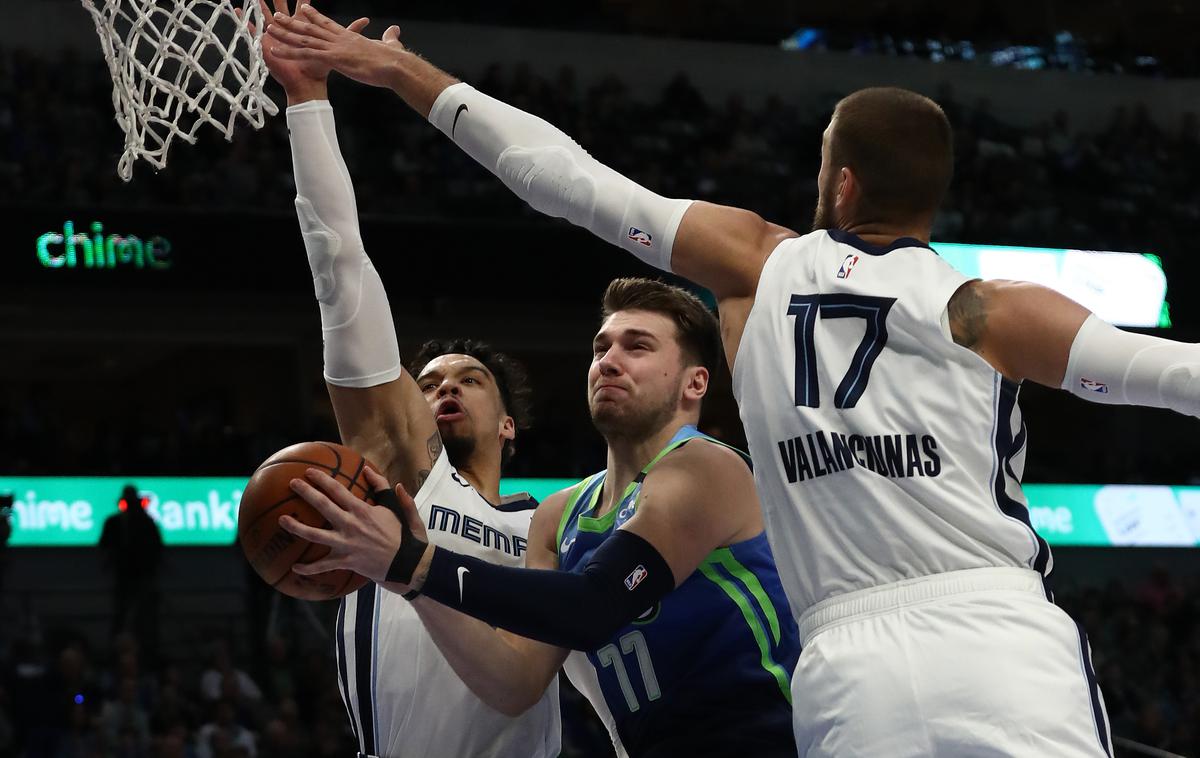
<point>356,321</point>
<point>548,170</point>
<point>1108,365</point>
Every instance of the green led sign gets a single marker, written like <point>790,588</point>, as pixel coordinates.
<point>70,249</point>
<point>70,511</point>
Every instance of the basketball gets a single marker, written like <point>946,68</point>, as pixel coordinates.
<point>271,549</point>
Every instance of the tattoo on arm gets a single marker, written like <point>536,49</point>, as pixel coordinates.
<point>434,447</point>
<point>968,315</point>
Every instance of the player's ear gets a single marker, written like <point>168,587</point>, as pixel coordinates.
<point>697,383</point>
<point>848,190</point>
<point>508,428</point>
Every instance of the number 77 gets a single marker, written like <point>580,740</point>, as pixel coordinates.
<point>805,308</point>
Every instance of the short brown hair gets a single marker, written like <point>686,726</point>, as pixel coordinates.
<point>899,145</point>
<point>697,329</point>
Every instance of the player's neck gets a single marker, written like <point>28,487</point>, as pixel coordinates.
<point>484,476</point>
<point>883,234</point>
<point>627,458</point>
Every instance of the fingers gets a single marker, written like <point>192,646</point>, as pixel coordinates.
<point>306,532</point>
<point>339,496</point>
<point>299,28</point>
<point>281,6</point>
<point>318,567</point>
<point>320,19</point>
<point>407,506</point>
<point>297,41</point>
<point>392,34</point>
<point>359,25</point>
<point>320,500</point>
<point>250,27</point>
<point>375,479</point>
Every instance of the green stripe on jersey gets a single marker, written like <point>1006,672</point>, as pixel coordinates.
<point>735,593</point>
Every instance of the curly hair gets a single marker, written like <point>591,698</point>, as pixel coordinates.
<point>512,380</point>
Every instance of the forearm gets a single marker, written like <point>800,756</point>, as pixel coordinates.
<point>625,577</point>
<point>360,344</point>
<point>417,81</point>
<point>1108,365</point>
<point>507,673</point>
<point>304,92</point>
<point>547,169</point>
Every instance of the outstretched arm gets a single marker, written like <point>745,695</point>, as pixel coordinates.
<point>381,413</point>
<point>700,499</point>
<point>718,247</point>
<point>1026,331</point>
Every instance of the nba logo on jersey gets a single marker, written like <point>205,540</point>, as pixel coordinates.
<point>640,237</point>
<point>1100,388</point>
<point>635,577</point>
<point>847,266</point>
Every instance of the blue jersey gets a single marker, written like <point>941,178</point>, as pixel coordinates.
<point>707,670</point>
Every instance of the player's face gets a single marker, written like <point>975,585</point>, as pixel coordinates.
<point>637,374</point>
<point>466,404</point>
<point>824,217</point>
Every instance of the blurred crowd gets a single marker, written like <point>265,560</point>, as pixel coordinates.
<point>1124,185</point>
<point>1145,640</point>
<point>62,696</point>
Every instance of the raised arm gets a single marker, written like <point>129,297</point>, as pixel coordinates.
<point>380,411</point>
<point>718,247</point>
<point>1026,331</point>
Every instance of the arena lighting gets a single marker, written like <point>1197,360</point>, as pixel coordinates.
<point>71,249</point>
<point>70,511</point>
<point>1124,289</point>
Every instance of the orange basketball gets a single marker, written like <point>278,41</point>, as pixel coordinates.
<point>272,550</point>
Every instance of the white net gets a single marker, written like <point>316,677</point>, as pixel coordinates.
<point>177,65</point>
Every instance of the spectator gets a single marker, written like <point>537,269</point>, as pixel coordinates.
<point>132,547</point>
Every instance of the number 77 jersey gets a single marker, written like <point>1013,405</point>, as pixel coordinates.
<point>883,451</point>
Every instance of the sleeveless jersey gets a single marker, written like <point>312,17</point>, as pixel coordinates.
<point>883,450</point>
<point>707,670</point>
<point>402,696</point>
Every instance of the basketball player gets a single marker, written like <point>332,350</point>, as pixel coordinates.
<point>444,435</point>
<point>878,388</point>
<point>666,586</point>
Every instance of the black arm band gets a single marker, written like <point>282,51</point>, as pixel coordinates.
<point>408,555</point>
<point>625,578</point>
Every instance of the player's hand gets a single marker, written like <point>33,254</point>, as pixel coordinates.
<point>301,80</point>
<point>361,537</point>
<point>311,38</point>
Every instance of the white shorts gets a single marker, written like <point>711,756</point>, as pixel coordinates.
<point>966,663</point>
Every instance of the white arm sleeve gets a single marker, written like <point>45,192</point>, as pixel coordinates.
<point>1108,365</point>
<point>356,321</point>
<point>548,170</point>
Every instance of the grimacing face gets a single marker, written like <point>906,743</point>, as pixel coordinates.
<point>637,374</point>
<point>466,405</point>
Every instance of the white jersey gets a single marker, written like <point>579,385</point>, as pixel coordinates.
<point>882,450</point>
<point>403,697</point>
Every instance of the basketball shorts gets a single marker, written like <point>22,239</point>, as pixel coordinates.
<point>965,663</point>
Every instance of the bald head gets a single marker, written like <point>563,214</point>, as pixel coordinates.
<point>900,148</point>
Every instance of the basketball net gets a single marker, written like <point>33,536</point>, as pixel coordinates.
<point>177,65</point>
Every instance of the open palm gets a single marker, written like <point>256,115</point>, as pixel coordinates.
<point>291,73</point>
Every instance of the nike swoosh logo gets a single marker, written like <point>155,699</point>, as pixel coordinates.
<point>462,571</point>
<point>461,109</point>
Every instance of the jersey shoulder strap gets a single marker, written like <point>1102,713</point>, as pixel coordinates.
<point>576,500</point>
